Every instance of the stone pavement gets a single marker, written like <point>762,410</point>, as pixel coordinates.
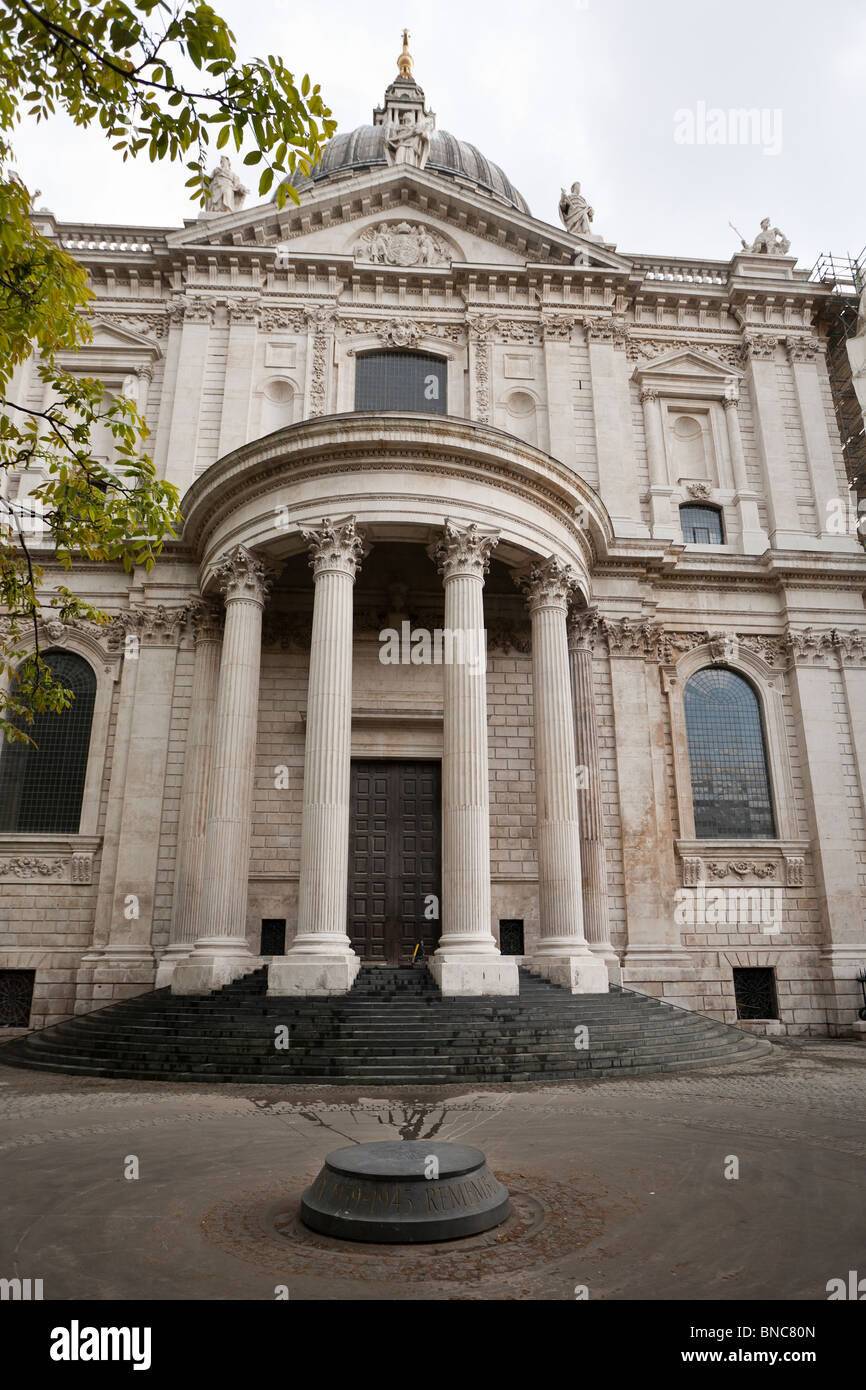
<point>618,1186</point>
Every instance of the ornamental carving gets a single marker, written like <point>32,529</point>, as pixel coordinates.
<point>557,327</point>
<point>549,584</point>
<point>244,309</point>
<point>741,868</point>
<point>693,872</point>
<point>645,349</point>
<point>402,332</point>
<point>463,550</point>
<point>802,349</point>
<point>242,575</point>
<point>157,626</point>
<point>31,868</point>
<point>702,492</point>
<point>207,621</point>
<point>761,347</point>
<point>794,867</point>
<point>321,320</point>
<point>153,325</point>
<point>67,868</point>
<point>506,636</point>
<point>197,309</point>
<point>608,329</point>
<point>584,629</point>
<point>336,546</point>
<point>402,244</point>
<point>806,645</point>
<point>293,320</point>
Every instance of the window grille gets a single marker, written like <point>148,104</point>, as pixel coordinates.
<point>730,785</point>
<point>42,787</point>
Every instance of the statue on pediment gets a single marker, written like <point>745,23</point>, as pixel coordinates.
<point>407,141</point>
<point>769,241</point>
<point>575,213</point>
<point>226,193</point>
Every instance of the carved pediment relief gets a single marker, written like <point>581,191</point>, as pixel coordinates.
<point>687,371</point>
<point>402,243</point>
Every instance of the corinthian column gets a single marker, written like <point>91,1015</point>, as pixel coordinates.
<point>562,954</point>
<point>582,630</point>
<point>467,960</point>
<point>221,953</point>
<point>207,628</point>
<point>321,959</point>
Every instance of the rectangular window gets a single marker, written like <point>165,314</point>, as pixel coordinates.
<point>702,525</point>
<point>273,936</point>
<point>401,381</point>
<point>16,996</point>
<point>755,992</point>
<point>511,936</point>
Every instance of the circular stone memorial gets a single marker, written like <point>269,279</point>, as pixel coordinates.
<point>404,1192</point>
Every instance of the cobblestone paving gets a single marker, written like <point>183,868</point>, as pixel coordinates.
<point>617,1185</point>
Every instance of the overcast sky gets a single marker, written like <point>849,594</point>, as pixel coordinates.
<point>606,91</point>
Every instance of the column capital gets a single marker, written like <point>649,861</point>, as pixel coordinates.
<point>336,545</point>
<point>584,629</point>
<point>207,621</point>
<point>549,584</point>
<point>648,394</point>
<point>463,550</point>
<point>242,575</point>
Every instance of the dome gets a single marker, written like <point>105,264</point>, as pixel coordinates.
<point>364,148</point>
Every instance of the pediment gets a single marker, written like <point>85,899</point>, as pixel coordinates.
<point>334,217</point>
<point>687,368</point>
<point>114,337</point>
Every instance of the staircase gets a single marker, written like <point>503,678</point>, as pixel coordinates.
<point>392,1028</point>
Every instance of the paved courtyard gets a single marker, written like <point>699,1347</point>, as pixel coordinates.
<point>618,1186</point>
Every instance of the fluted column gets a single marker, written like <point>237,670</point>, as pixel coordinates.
<point>207,624</point>
<point>562,954</point>
<point>467,960</point>
<point>321,959</point>
<point>221,953</point>
<point>754,538</point>
<point>660,490</point>
<point>582,630</point>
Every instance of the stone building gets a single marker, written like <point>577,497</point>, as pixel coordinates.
<point>399,413</point>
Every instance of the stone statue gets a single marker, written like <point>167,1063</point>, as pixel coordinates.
<point>227,193</point>
<point>857,354</point>
<point>407,141</point>
<point>575,212</point>
<point>769,241</point>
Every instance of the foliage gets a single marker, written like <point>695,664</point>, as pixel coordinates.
<point>160,80</point>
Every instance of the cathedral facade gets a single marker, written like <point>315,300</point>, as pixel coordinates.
<point>516,614</point>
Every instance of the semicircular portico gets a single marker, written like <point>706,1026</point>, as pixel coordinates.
<point>401,476</point>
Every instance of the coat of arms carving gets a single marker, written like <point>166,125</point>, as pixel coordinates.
<point>401,243</point>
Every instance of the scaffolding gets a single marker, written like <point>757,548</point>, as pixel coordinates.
<point>845,278</point>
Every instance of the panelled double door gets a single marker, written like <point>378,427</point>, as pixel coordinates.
<point>395,852</point>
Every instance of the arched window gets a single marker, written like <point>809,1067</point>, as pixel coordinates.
<point>730,786</point>
<point>401,381</point>
<point>41,788</point>
<point>701,525</point>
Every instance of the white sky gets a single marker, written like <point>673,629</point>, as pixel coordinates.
<point>576,89</point>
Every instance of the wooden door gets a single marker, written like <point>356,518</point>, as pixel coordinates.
<point>395,836</point>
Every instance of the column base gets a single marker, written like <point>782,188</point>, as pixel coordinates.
<point>579,973</point>
<point>604,951</point>
<point>475,974</point>
<point>312,974</point>
<point>213,963</point>
<point>169,960</point>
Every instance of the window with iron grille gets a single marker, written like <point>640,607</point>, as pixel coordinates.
<point>755,992</point>
<point>730,785</point>
<point>511,936</point>
<point>701,525</point>
<point>16,996</point>
<point>401,381</point>
<point>42,787</point>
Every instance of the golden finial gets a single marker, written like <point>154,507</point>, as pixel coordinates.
<point>404,62</point>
